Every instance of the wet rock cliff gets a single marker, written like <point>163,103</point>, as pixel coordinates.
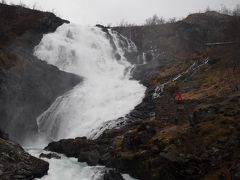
<point>28,86</point>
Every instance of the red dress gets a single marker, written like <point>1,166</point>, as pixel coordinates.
<point>179,97</point>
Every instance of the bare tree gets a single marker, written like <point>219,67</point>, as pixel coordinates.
<point>124,23</point>
<point>236,10</point>
<point>22,4</point>
<point>172,20</point>
<point>207,9</point>
<point>109,24</point>
<point>34,7</point>
<point>3,2</point>
<point>154,20</point>
<point>225,10</point>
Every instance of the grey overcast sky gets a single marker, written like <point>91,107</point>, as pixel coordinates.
<point>90,12</point>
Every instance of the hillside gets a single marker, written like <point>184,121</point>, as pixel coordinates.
<point>159,141</point>
<point>160,138</point>
<point>181,42</point>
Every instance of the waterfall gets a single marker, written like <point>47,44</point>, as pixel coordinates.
<point>106,93</point>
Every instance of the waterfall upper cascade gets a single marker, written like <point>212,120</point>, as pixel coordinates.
<point>106,93</point>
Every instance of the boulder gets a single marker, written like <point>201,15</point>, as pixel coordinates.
<point>3,135</point>
<point>132,140</point>
<point>69,147</point>
<point>112,174</point>
<point>15,163</point>
<point>50,156</point>
<point>90,156</point>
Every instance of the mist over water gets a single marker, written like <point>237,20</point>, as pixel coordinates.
<point>106,93</point>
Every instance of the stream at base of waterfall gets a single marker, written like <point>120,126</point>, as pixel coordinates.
<point>70,169</point>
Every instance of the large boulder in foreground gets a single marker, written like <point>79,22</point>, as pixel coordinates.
<point>15,163</point>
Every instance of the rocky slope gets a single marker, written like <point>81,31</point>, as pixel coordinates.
<point>28,86</point>
<point>15,163</point>
<point>159,140</point>
<point>176,45</point>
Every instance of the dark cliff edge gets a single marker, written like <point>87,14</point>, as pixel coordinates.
<point>198,139</point>
<point>28,86</point>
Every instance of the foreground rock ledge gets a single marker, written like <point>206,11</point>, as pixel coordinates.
<point>15,163</point>
<point>103,151</point>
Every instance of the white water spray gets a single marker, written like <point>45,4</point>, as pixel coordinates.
<point>70,169</point>
<point>107,92</point>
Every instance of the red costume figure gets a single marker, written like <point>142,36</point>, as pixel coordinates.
<point>179,97</point>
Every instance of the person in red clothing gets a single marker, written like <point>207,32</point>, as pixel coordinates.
<point>179,97</point>
<point>180,107</point>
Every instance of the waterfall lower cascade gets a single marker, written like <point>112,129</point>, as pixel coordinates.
<point>106,93</point>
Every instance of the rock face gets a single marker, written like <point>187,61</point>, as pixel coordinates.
<point>28,86</point>
<point>15,163</point>
<point>91,151</point>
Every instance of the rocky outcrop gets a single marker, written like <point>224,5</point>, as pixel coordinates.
<point>28,86</point>
<point>49,156</point>
<point>112,174</point>
<point>105,151</point>
<point>3,135</point>
<point>91,151</point>
<point>15,163</point>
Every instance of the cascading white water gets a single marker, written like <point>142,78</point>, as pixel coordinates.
<point>107,92</point>
<point>70,169</point>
